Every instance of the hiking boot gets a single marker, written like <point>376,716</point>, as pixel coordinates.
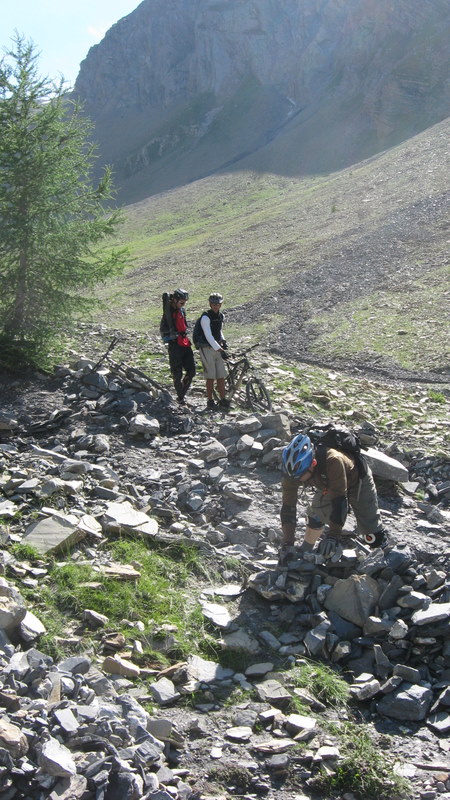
<point>224,404</point>
<point>210,405</point>
<point>286,553</point>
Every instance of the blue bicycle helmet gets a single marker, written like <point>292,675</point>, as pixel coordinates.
<point>297,456</point>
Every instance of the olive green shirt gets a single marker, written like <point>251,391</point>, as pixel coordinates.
<point>341,477</point>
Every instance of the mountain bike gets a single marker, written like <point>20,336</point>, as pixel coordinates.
<point>132,375</point>
<point>243,385</point>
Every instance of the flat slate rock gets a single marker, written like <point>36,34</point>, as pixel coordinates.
<point>206,671</point>
<point>52,534</point>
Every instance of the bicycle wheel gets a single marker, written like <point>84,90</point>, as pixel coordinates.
<point>258,397</point>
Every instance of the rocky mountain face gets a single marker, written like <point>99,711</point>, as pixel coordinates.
<point>179,90</point>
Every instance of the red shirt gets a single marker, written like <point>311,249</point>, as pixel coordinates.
<point>179,318</point>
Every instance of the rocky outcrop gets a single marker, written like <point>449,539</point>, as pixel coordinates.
<point>97,724</point>
<point>100,724</point>
<point>205,84</point>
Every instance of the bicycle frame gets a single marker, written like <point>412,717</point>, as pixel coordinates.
<point>236,375</point>
<point>238,370</point>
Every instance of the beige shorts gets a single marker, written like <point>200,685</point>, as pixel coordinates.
<point>362,500</point>
<point>213,363</point>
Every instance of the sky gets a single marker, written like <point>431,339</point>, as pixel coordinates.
<point>62,30</point>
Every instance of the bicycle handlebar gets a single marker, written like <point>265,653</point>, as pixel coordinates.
<point>244,352</point>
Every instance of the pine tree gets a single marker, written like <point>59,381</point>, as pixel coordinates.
<point>53,216</point>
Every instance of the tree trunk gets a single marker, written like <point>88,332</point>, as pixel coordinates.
<point>16,324</point>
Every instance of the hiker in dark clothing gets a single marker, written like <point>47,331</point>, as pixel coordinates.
<point>341,481</point>
<point>173,330</point>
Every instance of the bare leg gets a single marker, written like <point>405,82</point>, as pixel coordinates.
<point>209,388</point>
<point>310,538</point>
<point>221,387</point>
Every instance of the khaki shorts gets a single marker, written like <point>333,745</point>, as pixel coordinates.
<point>213,363</point>
<point>362,500</point>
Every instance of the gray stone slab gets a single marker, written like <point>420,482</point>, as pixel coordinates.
<point>440,722</point>
<point>52,534</point>
<point>200,669</point>
<point>56,760</point>
<point>219,615</point>
<point>354,598</point>
<point>273,692</point>
<point>164,692</point>
<point>385,467</point>
<point>436,612</point>
<point>409,702</point>
<point>66,719</point>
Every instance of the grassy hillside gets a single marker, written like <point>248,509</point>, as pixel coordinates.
<point>353,264</point>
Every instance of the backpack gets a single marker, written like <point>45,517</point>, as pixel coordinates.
<point>339,438</point>
<point>166,327</point>
<point>198,336</point>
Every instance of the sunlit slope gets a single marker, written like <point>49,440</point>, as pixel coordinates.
<point>353,263</point>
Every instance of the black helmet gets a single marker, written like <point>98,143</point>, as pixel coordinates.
<point>180,294</point>
<point>215,297</point>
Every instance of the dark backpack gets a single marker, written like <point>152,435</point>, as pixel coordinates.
<point>339,438</point>
<point>166,326</point>
<point>198,336</point>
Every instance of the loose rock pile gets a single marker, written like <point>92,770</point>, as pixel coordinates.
<point>68,733</point>
<point>381,616</point>
<point>113,454</point>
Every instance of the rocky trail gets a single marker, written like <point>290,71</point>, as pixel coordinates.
<point>86,455</point>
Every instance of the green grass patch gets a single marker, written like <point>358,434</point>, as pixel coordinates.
<point>363,769</point>
<point>298,706</point>
<point>436,396</point>
<point>24,552</point>
<point>163,598</point>
<point>209,223</point>
<point>256,233</point>
<point>321,681</point>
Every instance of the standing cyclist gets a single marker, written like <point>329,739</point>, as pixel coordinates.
<point>212,350</point>
<point>173,330</point>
